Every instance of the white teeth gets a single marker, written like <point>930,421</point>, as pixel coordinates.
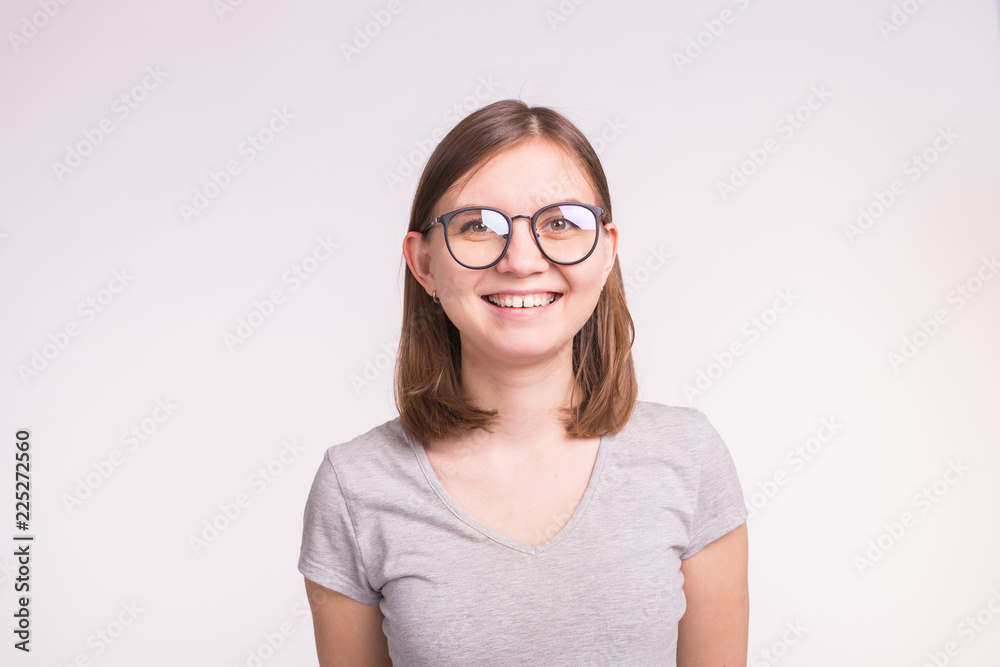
<point>529,301</point>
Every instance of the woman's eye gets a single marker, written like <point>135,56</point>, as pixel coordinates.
<point>475,227</point>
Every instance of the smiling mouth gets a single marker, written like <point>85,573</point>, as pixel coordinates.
<point>528,301</point>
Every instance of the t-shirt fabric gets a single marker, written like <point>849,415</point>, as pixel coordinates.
<point>380,528</point>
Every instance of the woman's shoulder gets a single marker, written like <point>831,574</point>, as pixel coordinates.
<point>654,415</point>
<point>669,432</point>
<point>375,452</point>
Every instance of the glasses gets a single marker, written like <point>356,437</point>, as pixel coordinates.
<point>478,237</point>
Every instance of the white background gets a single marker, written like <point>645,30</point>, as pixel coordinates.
<point>318,370</point>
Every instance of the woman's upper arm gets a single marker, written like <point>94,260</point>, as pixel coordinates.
<point>715,627</point>
<point>348,633</point>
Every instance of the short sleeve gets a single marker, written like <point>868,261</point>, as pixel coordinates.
<point>330,554</point>
<point>719,506</point>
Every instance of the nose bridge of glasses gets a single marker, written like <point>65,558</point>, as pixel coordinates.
<point>527,219</point>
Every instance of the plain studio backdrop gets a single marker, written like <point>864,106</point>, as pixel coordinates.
<point>200,256</point>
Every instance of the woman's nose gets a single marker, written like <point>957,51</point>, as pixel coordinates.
<point>522,251</point>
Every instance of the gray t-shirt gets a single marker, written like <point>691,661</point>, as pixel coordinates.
<point>604,590</point>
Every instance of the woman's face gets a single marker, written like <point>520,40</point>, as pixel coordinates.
<point>520,180</point>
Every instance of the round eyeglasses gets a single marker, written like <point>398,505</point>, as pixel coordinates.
<point>478,237</point>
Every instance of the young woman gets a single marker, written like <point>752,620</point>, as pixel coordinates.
<point>524,508</point>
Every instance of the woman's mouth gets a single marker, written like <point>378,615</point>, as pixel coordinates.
<point>539,300</point>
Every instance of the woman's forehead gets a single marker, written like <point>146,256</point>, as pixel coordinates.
<point>526,175</point>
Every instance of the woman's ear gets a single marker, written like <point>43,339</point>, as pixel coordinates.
<point>416,252</point>
<point>611,238</point>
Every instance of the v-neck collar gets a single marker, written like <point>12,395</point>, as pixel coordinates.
<point>432,479</point>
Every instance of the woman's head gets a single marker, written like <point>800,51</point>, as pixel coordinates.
<point>516,159</point>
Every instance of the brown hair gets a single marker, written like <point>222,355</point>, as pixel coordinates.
<point>428,391</point>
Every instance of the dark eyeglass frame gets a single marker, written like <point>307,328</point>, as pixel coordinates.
<point>446,218</point>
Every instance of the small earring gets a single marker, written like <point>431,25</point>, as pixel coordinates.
<point>435,297</point>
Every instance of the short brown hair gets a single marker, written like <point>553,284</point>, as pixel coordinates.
<point>427,389</point>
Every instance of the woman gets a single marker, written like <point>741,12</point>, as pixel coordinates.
<point>524,508</point>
